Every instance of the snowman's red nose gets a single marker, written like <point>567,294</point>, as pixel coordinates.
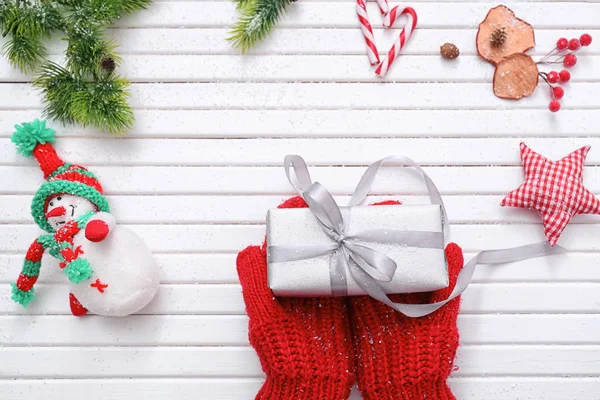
<point>56,212</point>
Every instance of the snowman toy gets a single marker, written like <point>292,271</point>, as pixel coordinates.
<point>111,270</point>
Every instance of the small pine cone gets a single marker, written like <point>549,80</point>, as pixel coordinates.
<point>498,37</point>
<point>108,65</point>
<point>449,51</point>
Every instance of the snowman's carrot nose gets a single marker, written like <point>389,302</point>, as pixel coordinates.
<point>56,212</point>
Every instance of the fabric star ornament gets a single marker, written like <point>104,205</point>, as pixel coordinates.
<point>554,189</point>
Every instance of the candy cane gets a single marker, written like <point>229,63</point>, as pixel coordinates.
<point>405,34</point>
<point>383,6</point>
<point>367,31</point>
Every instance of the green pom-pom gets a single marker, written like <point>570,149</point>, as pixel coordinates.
<point>29,134</point>
<point>22,297</point>
<point>78,270</point>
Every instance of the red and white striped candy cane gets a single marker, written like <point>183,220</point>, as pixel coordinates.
<point>367,31</point>
<point>383,6</point>
<point>405,34</point>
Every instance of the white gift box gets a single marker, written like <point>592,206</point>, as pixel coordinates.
<point>421,267</point>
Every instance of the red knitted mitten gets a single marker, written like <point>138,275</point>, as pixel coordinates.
<point>304,344</point>
<point>407,358</point>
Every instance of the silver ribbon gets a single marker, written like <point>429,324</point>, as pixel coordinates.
<point>367,266</point>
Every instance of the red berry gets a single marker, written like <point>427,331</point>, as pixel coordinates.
<point>564,75</point>
<point>570,60</point>
<point>553,77</point>
<point>554,106</point>
<point>562,43</point>
<point>585,39</point>
<point>558,92</point>
<point>574,44</point>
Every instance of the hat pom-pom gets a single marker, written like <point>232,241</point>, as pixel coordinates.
<point>29,134</point>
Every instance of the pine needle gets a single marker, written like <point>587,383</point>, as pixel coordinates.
<point>257,21</point>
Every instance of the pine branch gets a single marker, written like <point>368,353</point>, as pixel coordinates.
<point>80,15</point>
<point>104,105</point>
<point>8,13</point>
<point>257,21</point>
<point>87,49</point>
<point>58,86</point>
<point>244,4</point>
<point>5,7</point>
<point>101,11</point>
<point>35,21</point>
<point>86,90</point>
<point>129,6</point>
<point>71,99</point>
<point>24,53</point>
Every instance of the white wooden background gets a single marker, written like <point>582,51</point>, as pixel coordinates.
<point>203,165</point>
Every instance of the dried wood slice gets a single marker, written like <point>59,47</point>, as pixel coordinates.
<point>519,35</point>
<point>516,77</point>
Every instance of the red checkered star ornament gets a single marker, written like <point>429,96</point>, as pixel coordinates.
<point>554,189</point>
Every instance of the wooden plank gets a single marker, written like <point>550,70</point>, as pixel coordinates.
<point>523,388</point>
<point>339,151</point>
<point>162,41</point>
<point>252,209</point>
<point>479,209</point>
<point>41,362</point>
<point>186,299</point>
<point>244,388</point>
<point>309,41</point>
<point>338,14</point>
<point>272,180</point>
<point>428,1</point>
<point>218,330</point>
<point>298,96</point>
<point>193,268</point>
<point>303,68</point>
<point>338,123</point>
<point>220,268</point>
<point>231,238</point>
<point>491,2</point>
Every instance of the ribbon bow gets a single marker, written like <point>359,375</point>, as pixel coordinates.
<point>364,263</point>
<point>367,266</point>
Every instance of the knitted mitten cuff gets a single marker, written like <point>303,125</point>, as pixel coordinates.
<point>330,387</point>
<point>437,390</point>
<point>434,390</point>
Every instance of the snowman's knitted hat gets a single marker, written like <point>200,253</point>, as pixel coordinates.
<point>34,139</point>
